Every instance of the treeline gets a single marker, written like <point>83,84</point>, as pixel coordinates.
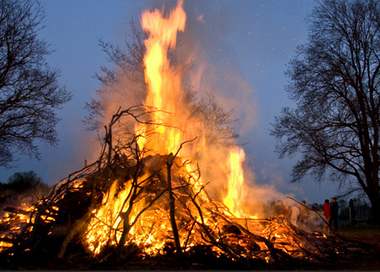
<point>23,187</point>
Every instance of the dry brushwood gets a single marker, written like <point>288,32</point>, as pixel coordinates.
<point>156,182</point>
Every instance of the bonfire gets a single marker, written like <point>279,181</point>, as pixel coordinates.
<point>146,195</point>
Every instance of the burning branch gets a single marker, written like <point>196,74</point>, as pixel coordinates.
<point>119,204</point>
<point>138,196</point>
<point>173,223</point>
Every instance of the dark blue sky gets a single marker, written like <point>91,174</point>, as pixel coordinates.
<point>250,40</point>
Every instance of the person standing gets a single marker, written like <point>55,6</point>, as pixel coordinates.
<point>294,213</point>
<point>326,213</point>
<point>334,214</point>
<point>279,207</point>
<point>304,214</point>
<point>286,211</point>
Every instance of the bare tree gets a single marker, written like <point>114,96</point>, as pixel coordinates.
<point>335,81</point>
<point>29,90</point>
<point>127,63</point>
<point>128,66</point>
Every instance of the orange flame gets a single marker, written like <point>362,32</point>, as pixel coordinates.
<point>146,223</point>
<point>170,114</point>
<point>163,84</point>
<point>235,193</point>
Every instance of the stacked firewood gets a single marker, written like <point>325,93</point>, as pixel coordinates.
<point>162,201</point>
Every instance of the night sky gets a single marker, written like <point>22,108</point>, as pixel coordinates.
<point>248,43</point>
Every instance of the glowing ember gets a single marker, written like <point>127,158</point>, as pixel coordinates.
<point>153,195</point>
<point>122,219</point>
<point>164,94</point>
<point>14,223</point>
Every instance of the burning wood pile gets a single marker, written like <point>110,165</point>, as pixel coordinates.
<point>130,205</point>
<point>146,194</point>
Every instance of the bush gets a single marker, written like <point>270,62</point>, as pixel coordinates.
<point>23,185</point>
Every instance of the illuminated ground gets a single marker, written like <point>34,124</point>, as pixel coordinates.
<point>367,259</point>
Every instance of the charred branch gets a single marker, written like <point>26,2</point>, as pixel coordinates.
<point>162,202</point>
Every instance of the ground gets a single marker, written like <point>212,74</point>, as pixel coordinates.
<point>367,259</point>
<point>368,236</point>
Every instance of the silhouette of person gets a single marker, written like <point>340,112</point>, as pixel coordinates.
<point>334,214</point>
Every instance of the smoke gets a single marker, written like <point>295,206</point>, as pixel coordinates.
<point>214,67</point>
<point>207,66</point>
<point>215,71</point>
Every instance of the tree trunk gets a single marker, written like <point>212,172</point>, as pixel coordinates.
<point>375,209</point>
<point>374,198</point>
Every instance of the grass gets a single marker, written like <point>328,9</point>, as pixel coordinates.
<point>369,236</point>
<point>368,259</point>
<point>361,232</point>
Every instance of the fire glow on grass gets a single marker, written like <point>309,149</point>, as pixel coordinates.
<point>164,93</point>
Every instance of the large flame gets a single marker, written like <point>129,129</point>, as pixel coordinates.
<point>128,217</point>
<point>166,95</point>
<point>163,84</point>
<point>235,192</point>
<point>170,128</point>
